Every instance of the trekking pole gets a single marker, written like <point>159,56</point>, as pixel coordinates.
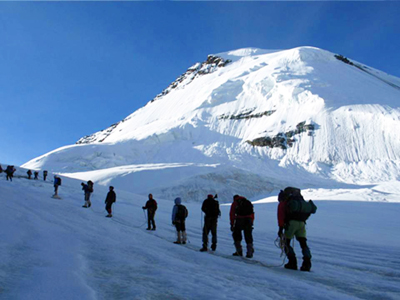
<point>145,219</point>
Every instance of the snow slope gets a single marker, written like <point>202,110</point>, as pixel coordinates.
<point>304,116</point>
<point>55,249</point>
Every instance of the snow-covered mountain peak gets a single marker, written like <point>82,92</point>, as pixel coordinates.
<point>304,53</point>
<point>244,52</point>
<point>301,114</point>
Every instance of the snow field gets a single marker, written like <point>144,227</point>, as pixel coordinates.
<point>55,249</point>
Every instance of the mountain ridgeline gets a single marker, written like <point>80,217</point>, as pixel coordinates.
<point>209,66</point>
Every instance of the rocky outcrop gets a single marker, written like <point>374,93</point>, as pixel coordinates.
<point>283,140</point>
<point>344,59</point>
<point>366,70</point>
<point>246,115</point>
<point>209,66</point>
<point>99,136</point>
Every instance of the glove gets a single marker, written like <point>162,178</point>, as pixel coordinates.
<point>280,232</point>
<point>173,222</point>
<point>143,207</point>
<point>232,228</point>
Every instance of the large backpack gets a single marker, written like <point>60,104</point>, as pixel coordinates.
<point>90,186</point>
<point>58,180</point>
<point>211,208</point>
<point>155,206</point>
<point>244,207</point>
<point>296,207</point>
<point>181,213</point>
<point>9,170</point>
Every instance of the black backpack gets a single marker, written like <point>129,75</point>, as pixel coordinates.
<point>244,207</point>
<point>181,213</point>
<point>90,186</point>
<point>8,170</point>
<point>211,208</point>
<point>296,207</point>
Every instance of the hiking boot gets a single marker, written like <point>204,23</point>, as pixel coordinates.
<point>239,251</point>
<point>292,264</point>
<point>148,228</point>
<point>213,247</point>
<point>153,229</point>
<point>204,249</point>
<point>84,206</point>
<point>109,216</point>
<point>306,266</point>
<point>250,251</point>
<point>178,238</point>
<point>184,237</point>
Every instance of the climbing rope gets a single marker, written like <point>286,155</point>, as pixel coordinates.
<point>280,242</point>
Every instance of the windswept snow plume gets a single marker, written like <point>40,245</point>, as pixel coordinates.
<point>303,116</point>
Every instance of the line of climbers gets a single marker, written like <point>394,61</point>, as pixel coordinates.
<point>292,213</point>
<point>10,170</point>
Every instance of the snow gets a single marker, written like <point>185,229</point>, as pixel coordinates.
<point>55,249</point>
<point>192,141</point>
<point>353,108</point>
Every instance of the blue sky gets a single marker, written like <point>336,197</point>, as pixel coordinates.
<point>68,69</point>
